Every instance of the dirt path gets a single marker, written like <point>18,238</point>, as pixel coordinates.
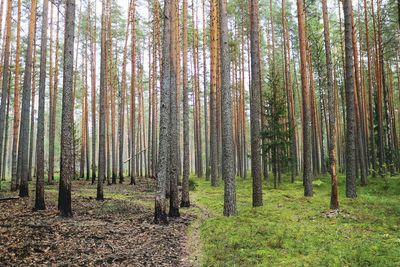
<point>194,243</point>
<point>118,231</point>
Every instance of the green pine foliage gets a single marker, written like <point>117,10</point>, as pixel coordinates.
<point>276,133</point>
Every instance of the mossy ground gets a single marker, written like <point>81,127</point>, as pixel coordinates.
<point>292,230</point>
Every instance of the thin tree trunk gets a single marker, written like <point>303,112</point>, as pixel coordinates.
<point>16,122</point>
<point>332,113</point>
<point>23,145</point>
<point>213,95</point>
<point>381,146</point>
<point>185,202</point>
<point>5,82</point>
<point>83,122</point>
<point>102,106</point>
<point>32,120</point>
<point>5,150</point>
<point>93,79</point>
<point>39,200</point>
<point>53,107</point>
<point>86,110</point>
<point>122,104</point>
<point>206,117</point>
<point>359,109</point>
<point>370,98</point>
<point>133,96</point>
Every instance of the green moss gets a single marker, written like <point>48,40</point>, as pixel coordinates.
<point>292,230</point>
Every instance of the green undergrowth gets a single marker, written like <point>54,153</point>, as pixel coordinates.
<point>292,230</point>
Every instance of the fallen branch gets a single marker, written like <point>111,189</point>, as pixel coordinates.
<point>137,154</point>
<point>8,198</point>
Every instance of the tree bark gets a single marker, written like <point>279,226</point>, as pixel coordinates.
<point>370,98</point>
<point>93,85</point>
<point>16,122</point>
<point>5,150</point>
<point>213,95</point>
<point>23,145</point>
<point>307,168</point>
<point>185,202</point>
<point>5,82</point>
<point>332,112</point>
<point>173,133</point>
<point>67,171</point>
<point>121,124</point>
<point>39,200</point>
<point>206,117</point>
<point>255,105</point>
<point>160,215</point>
<point>350,112</point>
<point>228,151</point>
<point>133,96</point>
<point>102,107</point>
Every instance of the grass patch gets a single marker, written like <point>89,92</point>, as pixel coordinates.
<point>292,230</point>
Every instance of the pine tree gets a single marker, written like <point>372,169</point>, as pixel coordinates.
<point>67,171</point>
<point>39,200</point>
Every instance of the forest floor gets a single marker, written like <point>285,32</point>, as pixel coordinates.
<point>117,231</point>
<point>292,230</point>
<point>289,230</point>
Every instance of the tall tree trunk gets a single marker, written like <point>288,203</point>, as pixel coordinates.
<point>32,120</point>
<point>14,180</point>
<point>185,202</point>
<point>359,109</point>
<point>67,171</point>
<point>242,100</point>
<point>122,104</point>
<point>381,145</point>
<point>289,95</point>
<point>213,95</point>
<point>332,112</point>
<point>112,107</point>
<point>53,107</point>
<point>255,105</point>
<point>206,117</point>
<point>154,89</point>
<point>5,150</point>
<point>23,145</point>
<point>173,133</point>
<point>350,112</point>
<point>370,98</point>
<point>228,151</point>
<point>151,78</point>
<point>93,85</point>
<point>133,96</point>
<point>102,106</point>
<point>39,200</point>
<point>5,82</point>
<point>160,215</point>
<point>76,73</point>
<point>82,157</point>
<point>307,167</point>
<point>86,110</point>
